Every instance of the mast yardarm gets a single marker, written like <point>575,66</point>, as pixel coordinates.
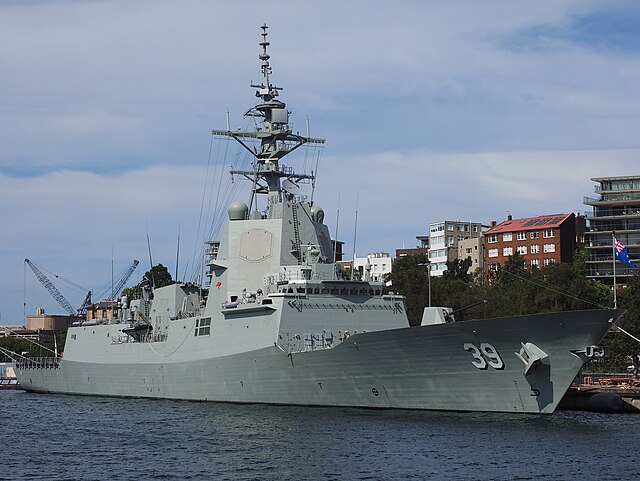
<point>276,136</point>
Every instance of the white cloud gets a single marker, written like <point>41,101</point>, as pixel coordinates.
<point>401,193</point>
<point>431,110</point>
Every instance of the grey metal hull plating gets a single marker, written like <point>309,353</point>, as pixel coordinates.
<point>415,368</point>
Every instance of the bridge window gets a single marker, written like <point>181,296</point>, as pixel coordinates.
<point>203,327</point>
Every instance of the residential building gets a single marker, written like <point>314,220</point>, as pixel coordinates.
<point>40,321</point>
<point>373,267</point>
<point>616,212</point>
<point>444,237</point>
<point>40,328</point>
<point>473,248</point>
<point>40,336</point>
<point>103,310</point>
<point>338,249</point>
<point>421,248</point>
<point>540,241</point>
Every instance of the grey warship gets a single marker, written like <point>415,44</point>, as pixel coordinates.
<point>279,326</point>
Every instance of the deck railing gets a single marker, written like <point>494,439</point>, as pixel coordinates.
<point>38,363</point>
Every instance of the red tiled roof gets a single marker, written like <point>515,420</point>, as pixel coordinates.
<point>105,303</point>
<point>529,223</point>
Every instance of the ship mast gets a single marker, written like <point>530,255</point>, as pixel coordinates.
<point>275,135</point>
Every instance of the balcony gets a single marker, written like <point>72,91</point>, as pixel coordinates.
<point>607,241</point>
<point>607,271</point>
<point>616,214</point>
<point>617,186</point>
<point>596,258</point>
<point>613,199</point>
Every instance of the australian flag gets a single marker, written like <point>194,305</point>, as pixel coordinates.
<point>621,253</point>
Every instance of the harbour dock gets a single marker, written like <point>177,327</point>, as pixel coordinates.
<point>614,393</point>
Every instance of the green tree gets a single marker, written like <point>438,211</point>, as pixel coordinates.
<point>623,350</point>
<point>456,293</point>
<point>409,278</point>
<point>19,346</point>
<point>157,276</point>
<point>345,274</point>
<point>458,269</point>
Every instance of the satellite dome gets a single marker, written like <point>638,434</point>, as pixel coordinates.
<point>238,211</point>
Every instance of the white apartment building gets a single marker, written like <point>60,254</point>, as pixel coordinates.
<point>443,241</point>
<point>373,267</point>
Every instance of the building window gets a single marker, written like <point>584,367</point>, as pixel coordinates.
<point>548,233</point>
<point>507,236</point>
<point>437,240</point>
<point>493,238</point>
<point>450,227</point>
<point>469,250</point>
<point>522,250</point>
<point>549,248</point>
<point>507,251</point>
<point>449,240</point>
<point>549,261</point>
<point>493,267</point>
<point>535,248</point>
<point>522,235</point>
<point>475,228</point>
<point>535,263</point>
<point>534,234</point>
<point>493,252</point>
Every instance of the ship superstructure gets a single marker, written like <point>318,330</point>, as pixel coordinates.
<point>279,325</point>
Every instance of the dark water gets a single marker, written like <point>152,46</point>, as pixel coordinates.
<point>46,437</point>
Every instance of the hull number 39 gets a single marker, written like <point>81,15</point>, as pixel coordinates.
<point>485,355</point>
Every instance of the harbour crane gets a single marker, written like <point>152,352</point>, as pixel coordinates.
<point>44,280</point>
<point>118,287</point>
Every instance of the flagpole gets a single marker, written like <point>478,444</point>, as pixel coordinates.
<point>615,297</point>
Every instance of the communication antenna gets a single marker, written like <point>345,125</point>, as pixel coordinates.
<point>112,296</point>
<point>335,242</point>
<point>153,281</point>
<point>355,232</point>
<point>314,175</point>
<point>177,252</point>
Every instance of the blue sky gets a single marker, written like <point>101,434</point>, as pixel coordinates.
<point>431,110</point>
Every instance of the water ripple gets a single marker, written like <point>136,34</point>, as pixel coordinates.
<point>48,437</point>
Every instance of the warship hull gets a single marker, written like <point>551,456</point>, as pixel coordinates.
<point>428,367</point>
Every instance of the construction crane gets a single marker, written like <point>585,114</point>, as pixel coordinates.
<point>85,305</point>
<point>118,287</point>
<point>44,280</point>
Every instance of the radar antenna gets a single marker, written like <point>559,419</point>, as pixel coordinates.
<point>276,136</point>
